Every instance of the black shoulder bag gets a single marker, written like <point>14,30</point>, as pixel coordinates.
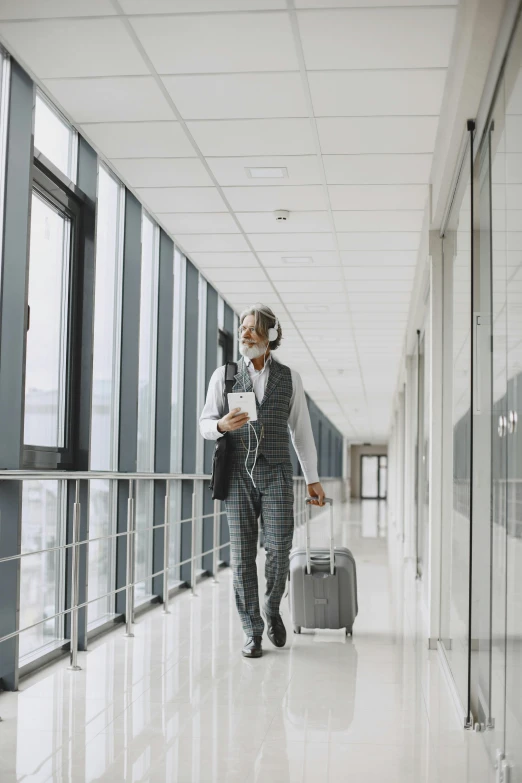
<point>221,460</point>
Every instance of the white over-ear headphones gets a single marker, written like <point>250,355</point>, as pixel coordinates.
<point>273,332</point>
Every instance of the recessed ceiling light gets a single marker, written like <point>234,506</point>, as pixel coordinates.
<point>316,308</point>
<point>266,172</point>
<point>297,260</point>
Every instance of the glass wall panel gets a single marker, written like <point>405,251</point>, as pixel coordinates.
<point>146,403</point>
<point>55,138</point>
<point>42,576</point>
<point>105,390</point>
<point>47,336</point>
<point>511,240</point>
<point>455,589</point>
<point>178,354</point>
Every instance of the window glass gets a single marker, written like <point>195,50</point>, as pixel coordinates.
<point>42,575</point>
<point>105,389</point>
<point>46,358</point>
<point>55,138</point>
<point>146,402</point>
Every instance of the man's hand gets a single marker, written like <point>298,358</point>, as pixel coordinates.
<point>232,421</point>
<point>316,491</point>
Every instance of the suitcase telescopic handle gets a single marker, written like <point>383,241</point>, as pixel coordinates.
<point>310,503</point>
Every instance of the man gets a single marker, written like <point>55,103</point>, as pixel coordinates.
<point>261,469</point>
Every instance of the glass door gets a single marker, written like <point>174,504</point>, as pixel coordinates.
<point>512,236</point>
<point>488,642</point>
<point>374,471</point>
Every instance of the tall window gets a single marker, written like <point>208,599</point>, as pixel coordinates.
<point>47,336</point>
<point>4,111</point>
<point>55,138</point>
<point>106,386</point>
<point>147,402</point>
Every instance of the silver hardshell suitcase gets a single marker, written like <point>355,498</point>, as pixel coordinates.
<point>323,584</point>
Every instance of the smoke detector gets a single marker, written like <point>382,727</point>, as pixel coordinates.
<point>281,214</point>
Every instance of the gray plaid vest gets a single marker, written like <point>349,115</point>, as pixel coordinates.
<point>272,415</point>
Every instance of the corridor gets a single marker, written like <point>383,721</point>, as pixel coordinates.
<point>178,703</point>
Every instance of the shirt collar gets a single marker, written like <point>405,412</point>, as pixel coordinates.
<point>248,362</point>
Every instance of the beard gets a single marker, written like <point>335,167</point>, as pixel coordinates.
<point>251,350</point>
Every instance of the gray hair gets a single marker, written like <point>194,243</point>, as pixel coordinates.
<point>264,320</point>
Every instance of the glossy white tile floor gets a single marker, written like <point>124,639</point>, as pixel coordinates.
<point>179,704</point>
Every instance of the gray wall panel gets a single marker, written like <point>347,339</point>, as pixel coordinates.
<point>12,355</point>
<point>130,340</point>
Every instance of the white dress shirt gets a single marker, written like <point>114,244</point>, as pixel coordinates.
<point>298,422</point>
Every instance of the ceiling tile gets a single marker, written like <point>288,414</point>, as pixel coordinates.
<point>182,199</point>
<point>231,43</point>
<point>254,137</point>
<point>232,275</point>
<point>299,301</point>
<point>313,287</point>
<point>199,222</point>
<point>383,273</point>
<point>208,243</point>
<point>388,220</point>
<point>361,38</point>
<point>237,95</point>
<point>378,285</point>
<point>376,93</point>
<point>199,6</point>
<point>267,198</point>
<point>162,172</point>
<point>305,273</point>
<point>305,243</point>
<point>320,259</point>
<point>301,170</point>
<point>377,297</point>
<point>298,221</point>
<point>252,289</point>
<point>366,135</point>
<point>35,9</point>
<point>55,48</point>
<point>212,260</point>
<point>382,258</point>
<point>378,197</point>
<point>115,99</point>
<point>402,169</point>
<point>139,139</point>
<point>385,240</point>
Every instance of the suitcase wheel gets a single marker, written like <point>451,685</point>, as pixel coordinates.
<point>297,629</point>
<point>349,632</point>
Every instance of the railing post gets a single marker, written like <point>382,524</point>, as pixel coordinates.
<point>166,543</point>
<point>75,577</point>
<point>129,603</point>
<point>216,543</point>
<point>193,542</point>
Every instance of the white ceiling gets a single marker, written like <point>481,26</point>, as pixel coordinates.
<point>182,96</point>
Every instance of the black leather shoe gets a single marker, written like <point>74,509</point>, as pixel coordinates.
<point>252,648</point>
<point>275,629</point>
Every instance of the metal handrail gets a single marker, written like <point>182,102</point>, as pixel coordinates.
<point>130,533</point>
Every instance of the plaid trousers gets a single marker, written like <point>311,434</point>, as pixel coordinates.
<point>272,499</point>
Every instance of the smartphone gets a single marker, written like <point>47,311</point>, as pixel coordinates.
<point>244,400</point>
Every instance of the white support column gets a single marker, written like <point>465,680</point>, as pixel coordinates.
<point>438,385</point>
<point>400,467</point>
<point>410,436</point>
